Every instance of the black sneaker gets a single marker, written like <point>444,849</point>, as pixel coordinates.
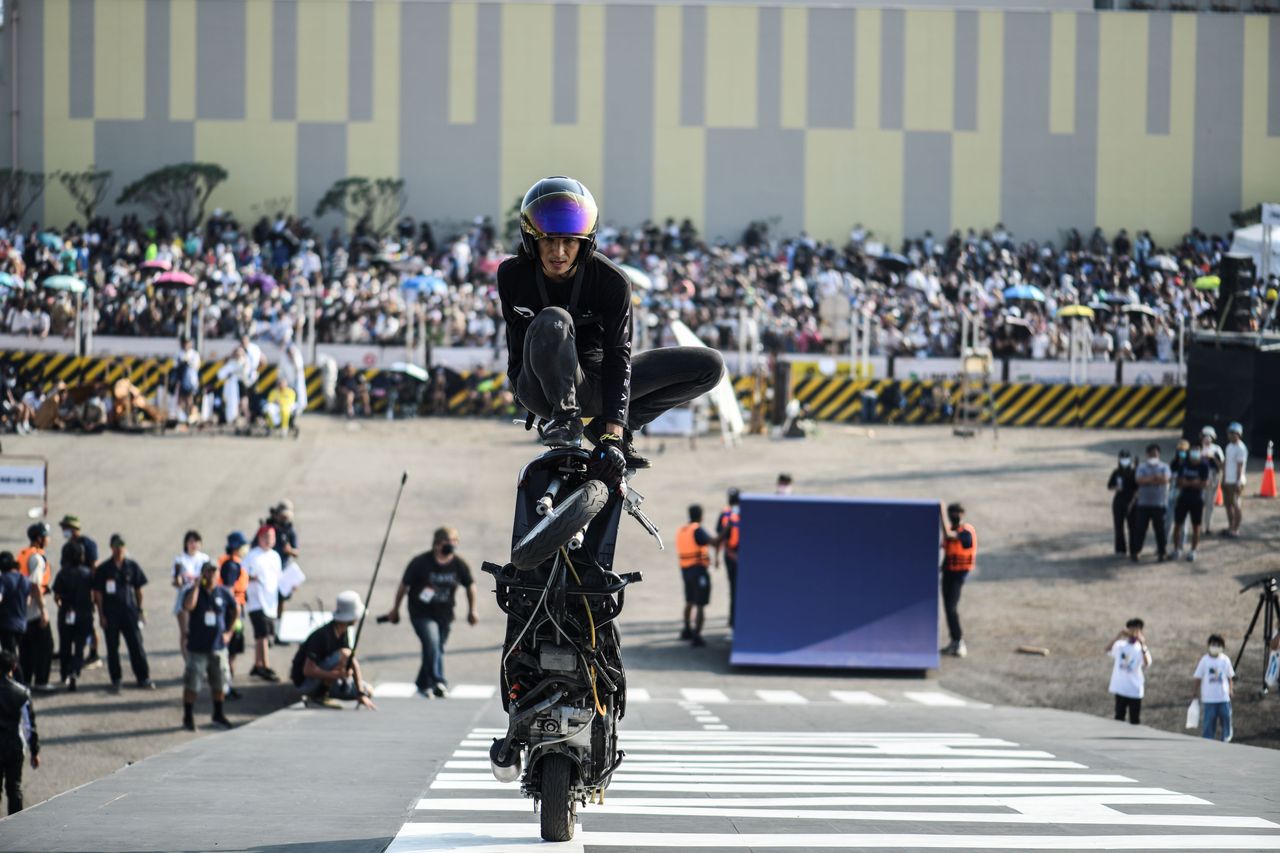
<point>147,685</point>
<point>234,694</point>
<point>71,685</point>
<point>697,640</point>
<point>221,722</point>
<point>686,633</point>
<point>189,724</point>
<point>562,432</point>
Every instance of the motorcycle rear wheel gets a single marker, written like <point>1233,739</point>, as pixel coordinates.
<point>552,532</point>
<point>557,809</point>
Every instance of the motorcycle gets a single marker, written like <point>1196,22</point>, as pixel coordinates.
<point>562,679</point>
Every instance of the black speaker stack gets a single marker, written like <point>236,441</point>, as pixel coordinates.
<point>1236,292</point>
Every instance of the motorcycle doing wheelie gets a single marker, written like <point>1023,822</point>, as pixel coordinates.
<point>562,680</point>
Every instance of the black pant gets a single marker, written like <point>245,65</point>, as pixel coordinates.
<point>1143,516</point>
<point>37,652</point>
<point>731,572</point>
<point>127,626</point>
<point>952,583</point>
<point>11,775</point>
<point>12,641</point>
<point>552,384</point>
<point>1122,520</point>
<point>1133,706</point>
<point>71,642</point>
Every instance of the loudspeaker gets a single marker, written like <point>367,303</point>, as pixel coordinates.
<point>1235,294</point>
<point>1233,381</point>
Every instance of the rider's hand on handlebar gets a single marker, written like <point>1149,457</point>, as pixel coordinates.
<point>608,463</point>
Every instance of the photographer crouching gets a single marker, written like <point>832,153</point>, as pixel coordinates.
<point>324,668</point>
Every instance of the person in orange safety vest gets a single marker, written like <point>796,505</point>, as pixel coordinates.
<point>728,532</point>
<point>960,551</point>
<point>693,546</point>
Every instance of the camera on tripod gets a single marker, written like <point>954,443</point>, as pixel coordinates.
<point>1269,609</point>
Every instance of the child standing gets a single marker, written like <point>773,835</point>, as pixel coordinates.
<point>1213,687</point>
<point>1130,657</point>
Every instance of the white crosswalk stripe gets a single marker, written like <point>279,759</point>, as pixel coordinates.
<point>695,698</point>
<point>806,790</point>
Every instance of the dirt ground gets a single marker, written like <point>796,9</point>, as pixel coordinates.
<point>1047,576</point>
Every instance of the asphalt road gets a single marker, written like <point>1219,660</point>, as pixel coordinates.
<point>1046,576</point>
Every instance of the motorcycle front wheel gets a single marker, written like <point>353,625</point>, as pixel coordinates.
<point>557,810</point>
<point>552,532</point>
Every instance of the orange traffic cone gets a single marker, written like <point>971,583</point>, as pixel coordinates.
<point>1217,499</point>
<point>1268,489</point>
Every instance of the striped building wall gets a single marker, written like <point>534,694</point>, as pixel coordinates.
<point>903,119</point>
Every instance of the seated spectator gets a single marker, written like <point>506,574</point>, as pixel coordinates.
<point>324,668</point>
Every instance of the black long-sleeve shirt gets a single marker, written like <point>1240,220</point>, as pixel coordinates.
<point>601,319</point>
<point>17,720</point>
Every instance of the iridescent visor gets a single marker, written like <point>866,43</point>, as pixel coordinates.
<point>566,214</point>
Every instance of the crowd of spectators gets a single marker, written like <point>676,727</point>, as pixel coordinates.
<point>261,280</point>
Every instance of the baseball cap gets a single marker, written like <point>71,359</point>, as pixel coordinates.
<point>117,540</point>
<point>262,531</point>
<point>956,507</point>
<point>1235,427</point>
<point>7,561</point>
<point>236,541</point>
<point>1209,431</point>
<point>72,521</point>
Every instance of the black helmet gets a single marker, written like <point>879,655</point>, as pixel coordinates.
<point>733,497</point>
<point>558,207</point>
<point>37,531</point>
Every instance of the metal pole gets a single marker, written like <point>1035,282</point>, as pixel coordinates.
<point>742,339</point>
<point>79,342</point>
<point>200,325</point>
<point>311,325</point>
<point>186,313</point>
<point>91,317</point>
<point>12,23</point>
<point>1182,349</point>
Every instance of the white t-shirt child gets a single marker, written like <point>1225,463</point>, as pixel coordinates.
<point>1215,673</point>
<point>1127,676</point>
<point>1237,457</point>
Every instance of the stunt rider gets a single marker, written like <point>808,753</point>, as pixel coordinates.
<point>568,315</point>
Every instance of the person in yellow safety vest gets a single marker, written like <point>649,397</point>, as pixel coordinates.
<point>281,402</point>
<point>727,530</point>
<point>37,644</point>
<point>960,551</point>
<point>693,546</point>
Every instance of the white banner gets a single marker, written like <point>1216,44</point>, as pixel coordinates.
<point>22,480</point>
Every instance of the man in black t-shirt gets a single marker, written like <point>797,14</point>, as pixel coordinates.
<point>73,590</point>
<point>212,613</point>
<point>1192,476</point>
<point>117,592</point>
<point>323,667</point>
<point>431,581</point>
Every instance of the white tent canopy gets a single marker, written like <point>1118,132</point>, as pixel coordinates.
<point>1248,241</point>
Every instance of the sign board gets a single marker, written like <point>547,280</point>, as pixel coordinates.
<point>23,480</point>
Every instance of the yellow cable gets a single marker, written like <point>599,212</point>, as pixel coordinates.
<point>595,695</point>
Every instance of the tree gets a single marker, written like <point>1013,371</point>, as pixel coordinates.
<point>19,190</point>
<point>178,192</point>
<point>374,204</point>
<point>88,189</point>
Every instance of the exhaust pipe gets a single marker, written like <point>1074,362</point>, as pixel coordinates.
<point>504,773</point>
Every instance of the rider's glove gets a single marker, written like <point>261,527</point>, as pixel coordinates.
<point>608,463</point>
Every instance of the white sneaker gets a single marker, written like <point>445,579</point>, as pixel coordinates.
<point>961,650</point>
<point>1177,553</point>
<point>1191,555</point>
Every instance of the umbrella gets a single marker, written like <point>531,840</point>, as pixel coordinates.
<point>262,280</point>
<point>53,241</point>
<point>1163,263</point>
<point>1208,282</point>
<point>639,278</point>
<point>68,283</point>
<point>894,260</point>
<point>158,264</point>
<point>1077,311</point>
<point>425,284</point>
<point>1140,309</point>
<point>177,278</point>
<point>1100,307</point>
<point>410,370</point>
<point>10,281</point>
<point>1117,299</point>
<point>1024,291</point>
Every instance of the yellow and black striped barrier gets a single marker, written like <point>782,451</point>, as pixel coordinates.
<point>839,398</point>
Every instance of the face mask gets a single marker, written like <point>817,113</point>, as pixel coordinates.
<point>1195,456</point>
<point>446,549</point>
<point>1126,462</point>
<point>784,490</point>
<point>1215,650</point>
<point>1182,454</point>
<point>66,534</point>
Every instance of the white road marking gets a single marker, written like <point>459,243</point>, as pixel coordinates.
<point>472,691</point>
<point>790,737</point>
<point>395,689</point>
<point>703,695</point>
<point>443,783</point>
<point>1060,811</point>
<point>935,699</point>
<point>782,697</point>
<point>716,727</point>
<point>857,697</point>
<point>878,795</point>
<point>638,694</point>
<point>707,718</point>
<point>505,837</point>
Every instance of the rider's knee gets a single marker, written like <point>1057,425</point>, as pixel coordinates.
<point>553,319</point>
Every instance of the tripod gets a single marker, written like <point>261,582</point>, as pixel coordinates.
<point>1269,608</point>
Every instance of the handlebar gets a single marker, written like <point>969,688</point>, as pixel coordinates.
<point>508,576</point>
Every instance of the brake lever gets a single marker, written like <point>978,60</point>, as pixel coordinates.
<point>631,500</point>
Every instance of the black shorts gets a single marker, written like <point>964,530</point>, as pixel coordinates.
<point>697,585</point>
<point>1183,508</point>
<point>263,625</point>
<point>236,646</point>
